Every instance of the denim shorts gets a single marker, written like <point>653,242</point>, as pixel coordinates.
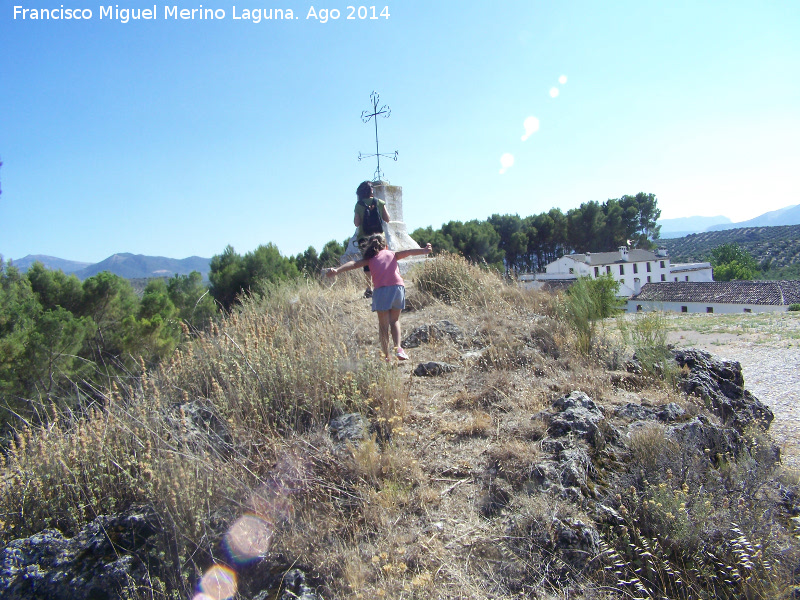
<point>386,298</point>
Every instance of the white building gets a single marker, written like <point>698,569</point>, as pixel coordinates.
<point>633,269</point>
<point>717,296</point>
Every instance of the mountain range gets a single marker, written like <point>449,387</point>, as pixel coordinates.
<point>129,266</point>
<point>683,226</point>
<point>139,266</point>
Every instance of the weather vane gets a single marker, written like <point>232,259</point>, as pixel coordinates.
<point>366,116</point>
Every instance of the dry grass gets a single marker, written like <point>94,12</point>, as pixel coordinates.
<point>436,502</point>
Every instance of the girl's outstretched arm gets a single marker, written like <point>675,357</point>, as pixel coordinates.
<point>413,252</point>
<point>348,266</point>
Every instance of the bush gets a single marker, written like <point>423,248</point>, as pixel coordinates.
<point>452,279</point>
<point>646,333</point>
<point>587,302</point>
<point>794,307</point>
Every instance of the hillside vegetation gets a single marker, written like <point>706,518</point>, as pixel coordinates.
<point>277,456</point>
<point>776,249</point>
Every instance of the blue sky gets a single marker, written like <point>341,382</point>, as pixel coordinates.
<point>178,137</point>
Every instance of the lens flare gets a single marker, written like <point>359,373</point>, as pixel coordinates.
<point>553,92</point>
<point>272,502</point>
<point>562,80</point>
<point>248,538</point>
<point>506,162</point>
<point>219,583</point>
<point>531,125</point>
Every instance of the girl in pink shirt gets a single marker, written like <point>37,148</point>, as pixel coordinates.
<point>389,295</point>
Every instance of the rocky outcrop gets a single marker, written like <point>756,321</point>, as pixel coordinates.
<point>579,416</point>
<point>721,384</point>
<point>109,556</point>
<point>667,413</point>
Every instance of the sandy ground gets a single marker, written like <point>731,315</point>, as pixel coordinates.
<point>768,348</point>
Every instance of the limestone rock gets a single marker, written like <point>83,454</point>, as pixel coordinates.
<point>579,416</point>
<point>107,557</point>
<point>721,383</point>
<point>576,541</point>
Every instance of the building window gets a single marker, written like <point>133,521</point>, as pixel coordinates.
<point>676,279</point>
<point>635,268</point>
<point>648,279</point>
<point>571,271</point>
<point>648,267</point>
<point>608,269</point>
<point>709,309</point>
<point>662,264</point>
<point>663,277</point>
<point>622,281</point>
<point>748,310</point>
<point>684,309</point>
<point>622,269</point>
<point>687,278</point>
<point>597,271</point>
<point>638,308</point>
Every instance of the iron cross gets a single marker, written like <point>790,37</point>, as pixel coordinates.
<point>366,116</point>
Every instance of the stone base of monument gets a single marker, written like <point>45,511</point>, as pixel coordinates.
<point>395,231</point>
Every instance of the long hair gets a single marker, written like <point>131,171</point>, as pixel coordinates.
<point>364,190</point>
<point>372,245</point>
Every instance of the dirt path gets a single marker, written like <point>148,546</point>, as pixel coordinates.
<point>768,348</point>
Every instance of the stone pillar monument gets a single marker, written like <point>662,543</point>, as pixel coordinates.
<point>397,237</point>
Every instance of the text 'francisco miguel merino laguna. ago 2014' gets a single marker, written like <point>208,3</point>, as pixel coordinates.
<point>255,15</point>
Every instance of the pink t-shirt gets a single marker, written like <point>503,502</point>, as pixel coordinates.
<point>384,271</point>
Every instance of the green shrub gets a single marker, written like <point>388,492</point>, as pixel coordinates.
<point>587,302</point>
<point>646,334</point>
<point>794,307</point>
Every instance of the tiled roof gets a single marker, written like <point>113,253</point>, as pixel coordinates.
<point>609,258</point>
<point>774,293</point>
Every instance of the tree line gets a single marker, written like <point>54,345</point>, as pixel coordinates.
<point>517,244</point>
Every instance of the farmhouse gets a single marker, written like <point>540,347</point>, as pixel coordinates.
<point>631,268</point>
<point>717,296</point>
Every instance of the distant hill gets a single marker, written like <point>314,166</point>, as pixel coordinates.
<point>672,228</point>
<point>789,215</point>
<point>683,226</point>
<point>777,248</point>
<point>129,266</point>
<point>51,262</point>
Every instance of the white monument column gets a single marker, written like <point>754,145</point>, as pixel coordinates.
<point>396,233</point>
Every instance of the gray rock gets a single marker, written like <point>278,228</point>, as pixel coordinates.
<point>636,412</point>
<point>296,587</point>
<point>721,384</point>
<point>579,416</point>
<point>576,541</point>
<point>574,466</point>
<point>352,427</point>
<point>699,434</point>
<point>108,557</point>
<point>439,330</point>
<point>670,412</point>
<point>430,369</point>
